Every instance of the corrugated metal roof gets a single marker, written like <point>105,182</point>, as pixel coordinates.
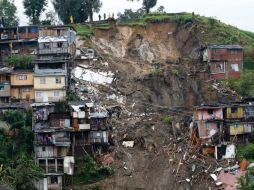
<point>225,47</point>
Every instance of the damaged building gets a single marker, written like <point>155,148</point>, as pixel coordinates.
<point>225,61</point>
<point>90,127</point>
<point>218,128</point>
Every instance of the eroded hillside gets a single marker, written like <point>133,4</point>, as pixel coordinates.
<point>156,74</point>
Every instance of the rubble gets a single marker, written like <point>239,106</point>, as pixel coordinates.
<point>128,144</point>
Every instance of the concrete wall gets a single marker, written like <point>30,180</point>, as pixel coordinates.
<point>50,82</point>
<point>22,79</point>
<point>49,95</point>
<point>22,92</point>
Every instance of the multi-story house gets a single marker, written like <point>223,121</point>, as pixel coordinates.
<point>20,40</point>
<point>5,84</point>
<point>225,61</point>
<point>22,85</point>
<point>50,80</point>
<point>52,146</point>
<point>56,42</point>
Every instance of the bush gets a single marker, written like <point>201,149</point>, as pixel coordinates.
<point>19,62</point>
<point>91,172</point>
<point>168,120</point>
<point>244,85</point>
<point>245,152</point>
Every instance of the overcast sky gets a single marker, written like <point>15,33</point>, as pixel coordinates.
<point>235,12</point>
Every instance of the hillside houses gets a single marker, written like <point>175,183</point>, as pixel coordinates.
<point>225,61</point>
<point>52,50</point>
<point>218,126</point>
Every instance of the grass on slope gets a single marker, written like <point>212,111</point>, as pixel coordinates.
<point>83,30</point>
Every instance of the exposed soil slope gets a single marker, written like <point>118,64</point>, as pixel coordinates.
<point>154,77</point>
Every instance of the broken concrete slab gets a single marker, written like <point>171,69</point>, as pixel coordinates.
<point>128,144</point>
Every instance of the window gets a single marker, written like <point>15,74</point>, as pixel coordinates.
<point>58,80</point>
<point>27,89</point>
<point>233,51</point>
<point>58,32</point>
<point>1,87</point>
<point>220,67</point>
<point>210,111</point>
<point>59,44</point>
<point>56,93</point>
<point>234,67</point>
<point>22,30</point>
<point>46,45</point>
<point>38,94</point>
<point>234,110</point>
<point>42,80</point>
<point>43,148</point>
<point>213,51</point>
<point>54,180</point>
<point>21,77</point>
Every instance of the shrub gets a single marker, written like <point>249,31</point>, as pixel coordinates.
<point>19,62</point>
<point>91,172</point>
<point>168,120</point>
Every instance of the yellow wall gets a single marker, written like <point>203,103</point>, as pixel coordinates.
<point>16,82</point>
<point>19,92</point>
<point>50,83</point>
<point>237,115</point>
<point>236,129</point>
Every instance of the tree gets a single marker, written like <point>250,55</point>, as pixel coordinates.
<point>67,8</point>
<point>148,4</point>
<point>161,9</point>
<point>129,14</point>
<point>27,174</point>
<point>33,9</point>
<point>51,19</point>
<point>8,11</point>
<point>92,6</point>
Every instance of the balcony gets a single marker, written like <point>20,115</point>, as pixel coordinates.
<point>53,51</point>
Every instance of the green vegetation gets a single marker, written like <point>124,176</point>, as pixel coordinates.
<point>246,182</point>
<point>19,62</point>
<point>245,152</point>
<point>71,8</point>
<point>168,120</point>
<point>83,30</point>
<point>8,10</point>
<point>18,169</point>
<point>104,26</point>
<point>91,172</point>
<point>174,72</point>
<point>244,86</point>
<point>33,9</point>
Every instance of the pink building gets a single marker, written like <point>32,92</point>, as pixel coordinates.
<point>208,113</point>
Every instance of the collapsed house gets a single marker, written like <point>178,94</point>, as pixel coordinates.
<point>225,61</point>
<point>90,126</point>
<point>219,127</point>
